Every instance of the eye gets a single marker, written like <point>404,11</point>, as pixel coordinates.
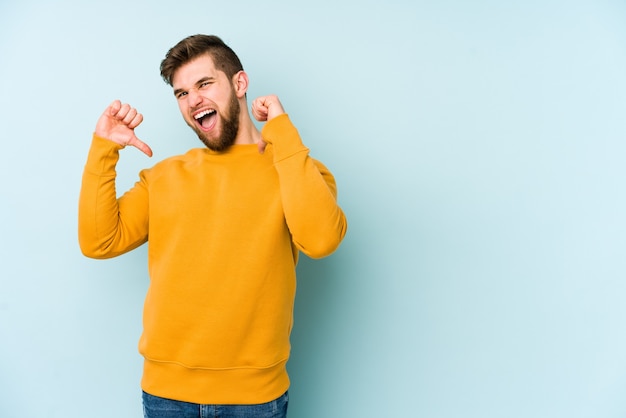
<point>181,94</point>
<point>204,85</point>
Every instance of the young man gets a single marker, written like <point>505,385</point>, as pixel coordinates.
<point>225,224</point>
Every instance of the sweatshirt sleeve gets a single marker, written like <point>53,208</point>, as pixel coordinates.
<point>108,226</point>
<point>308,190</point>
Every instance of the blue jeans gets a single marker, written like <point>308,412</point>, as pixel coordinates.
<point>156,407</point>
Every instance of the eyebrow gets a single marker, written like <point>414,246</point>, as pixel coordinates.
<point>202,80</point>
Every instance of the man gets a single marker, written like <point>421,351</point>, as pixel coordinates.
<point>225,224</point>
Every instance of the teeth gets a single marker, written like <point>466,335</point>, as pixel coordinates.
<point>203,114</point>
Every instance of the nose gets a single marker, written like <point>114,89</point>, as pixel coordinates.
<point>194,97</point>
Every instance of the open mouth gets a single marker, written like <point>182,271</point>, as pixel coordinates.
<point>206,119</point>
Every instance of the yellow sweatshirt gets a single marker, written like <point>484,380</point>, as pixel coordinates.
<point>223,232</point>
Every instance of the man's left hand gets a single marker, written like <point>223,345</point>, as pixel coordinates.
<point>264,109</point>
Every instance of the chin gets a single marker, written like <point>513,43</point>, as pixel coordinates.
<point>217,144</point>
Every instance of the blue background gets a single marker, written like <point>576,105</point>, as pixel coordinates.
<point>479,151</point>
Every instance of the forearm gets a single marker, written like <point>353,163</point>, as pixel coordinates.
<point>102,233</point>
<point>308,192</point>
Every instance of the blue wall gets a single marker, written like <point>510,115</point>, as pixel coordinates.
<point>479,149</point>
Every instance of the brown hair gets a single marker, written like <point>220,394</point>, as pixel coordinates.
<point>194,46</point>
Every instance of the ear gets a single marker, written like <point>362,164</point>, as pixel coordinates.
<point>240,83</point>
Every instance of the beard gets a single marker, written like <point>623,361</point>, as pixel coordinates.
<point>230,128</point>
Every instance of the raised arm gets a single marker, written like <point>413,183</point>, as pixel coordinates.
<point>108,226</point>
<point>308,190</point>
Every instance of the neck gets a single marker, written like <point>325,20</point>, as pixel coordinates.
<point>248,132</point>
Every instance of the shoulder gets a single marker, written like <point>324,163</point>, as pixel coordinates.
<point>321,167</point>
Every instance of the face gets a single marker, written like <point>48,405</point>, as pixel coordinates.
<point>208,102</point>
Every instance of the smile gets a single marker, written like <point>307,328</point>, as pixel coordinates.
<point>206,119</point>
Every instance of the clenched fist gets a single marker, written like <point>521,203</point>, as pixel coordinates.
<point>266,108</point>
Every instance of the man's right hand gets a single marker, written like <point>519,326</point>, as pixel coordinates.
<point>118,123</point>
